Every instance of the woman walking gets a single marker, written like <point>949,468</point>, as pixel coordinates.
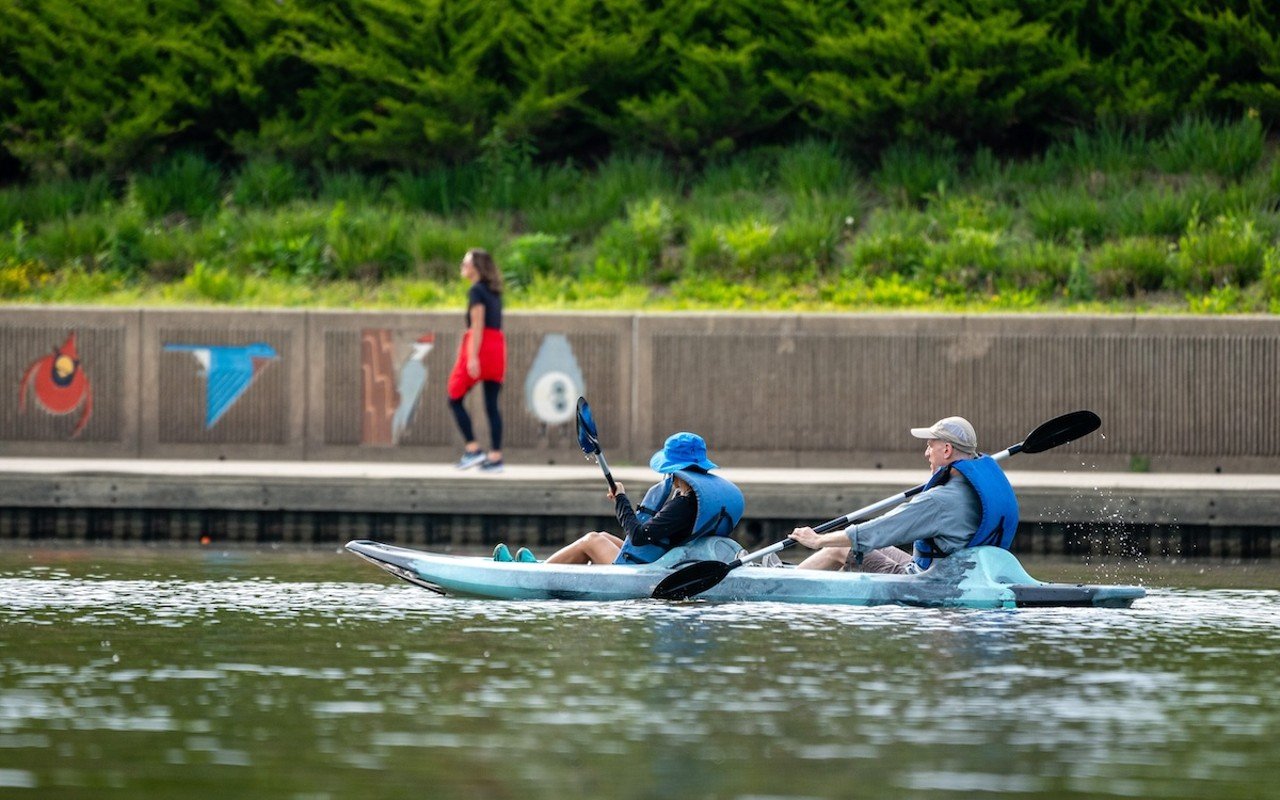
<point>482,358</point>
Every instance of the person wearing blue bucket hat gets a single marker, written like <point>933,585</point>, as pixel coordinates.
<point>688,503</point>
<point>681,451</point>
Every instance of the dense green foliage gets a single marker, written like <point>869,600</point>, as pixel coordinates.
<point>418,84</point>
<point>1189,220</point>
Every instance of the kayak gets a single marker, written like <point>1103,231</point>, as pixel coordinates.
<point>979,577</point>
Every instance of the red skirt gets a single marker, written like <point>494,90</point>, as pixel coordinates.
<point>493,363</point>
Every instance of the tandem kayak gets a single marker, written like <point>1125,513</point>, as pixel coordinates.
<point>980,577</point>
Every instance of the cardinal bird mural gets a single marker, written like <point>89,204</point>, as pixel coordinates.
<point>228,372</point>
<point>59,384</point>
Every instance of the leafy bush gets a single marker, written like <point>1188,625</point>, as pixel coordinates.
<point>267,183</point>
<point>531,255</point>
<point>19,278</point>
<point>1155,209</point>
<point>351,187</point>
<point>1056,213</point>
<point>888,253</point>
<point>368,244</point>
<point>639,242</point>
<point>1226,252</point>
<point>280,244</point>
<point>1129,266</point>
<point>37,203</point>
<point>908,175</point>
<point>1196,144</point>
<point>217,284</point>
<point>187,184</point>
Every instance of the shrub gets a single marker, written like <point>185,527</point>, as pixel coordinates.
<point>366,243</point>
<point>1197,144</point>
<point>219,284</point>
<point>744,247</point>
<point>1127,266</point>
<point>1271,277</point>
<point>446,190</point>
<point>1055,213</point>
<point>809,238</point>
<point>437,246</point>
<point>528,256</point>
<point>280,244</point>
<point>888,253</point>
<point>908,175</point>
<point>351,187</point>
<point>1229,251</point>
<point>187,184</point>
<point>42,201</point>
<point>267,183</point>
<point>1037,268</point>
<point>20,277</point>
<point>969,258</point>
<point>639,242</point>
<point>601,195</point>
<point>1153,209</point>
<point>814,167</point>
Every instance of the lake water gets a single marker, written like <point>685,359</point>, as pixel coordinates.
<point>201,674</point>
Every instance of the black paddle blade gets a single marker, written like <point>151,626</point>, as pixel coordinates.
<point>693,579</point>
<point>588,438</point>
<point>1060,430</point>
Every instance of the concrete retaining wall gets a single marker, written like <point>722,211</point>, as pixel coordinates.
<point>784,390</point>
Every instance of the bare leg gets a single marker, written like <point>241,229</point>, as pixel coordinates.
<point>885,561</point>
<point>828,558</point>
<point>596,547</point>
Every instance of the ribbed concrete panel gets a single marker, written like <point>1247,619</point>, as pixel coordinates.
<point>831,395</point>
<point>228,384</point>
<point>72,378</point>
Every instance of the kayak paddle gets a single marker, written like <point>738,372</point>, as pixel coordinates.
<point>589,440</point>
<point>702,575</point>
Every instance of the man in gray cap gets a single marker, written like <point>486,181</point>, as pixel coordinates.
<point>967,502</point>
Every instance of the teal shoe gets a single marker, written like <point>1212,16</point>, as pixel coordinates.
<point>501,553</point>
<point>525,556</point>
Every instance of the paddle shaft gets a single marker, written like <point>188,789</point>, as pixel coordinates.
<point>604,467</point>
<point>854,516</point>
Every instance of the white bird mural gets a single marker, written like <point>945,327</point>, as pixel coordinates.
<point>413,377</point>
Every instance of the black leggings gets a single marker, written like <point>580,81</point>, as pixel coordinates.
<point>491,390</point>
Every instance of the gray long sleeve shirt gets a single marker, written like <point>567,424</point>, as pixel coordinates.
<point>949,513</point>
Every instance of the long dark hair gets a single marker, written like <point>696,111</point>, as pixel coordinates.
<point>486,268</point>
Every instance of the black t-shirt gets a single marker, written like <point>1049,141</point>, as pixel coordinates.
<point>481,295</point>
<point>673,524</point>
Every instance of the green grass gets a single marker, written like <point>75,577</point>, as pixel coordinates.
<point>1110,221</point>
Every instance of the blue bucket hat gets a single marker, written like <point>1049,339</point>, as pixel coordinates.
<point>681,450</point>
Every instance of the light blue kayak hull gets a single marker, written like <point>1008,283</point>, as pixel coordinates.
<point>982,577</point>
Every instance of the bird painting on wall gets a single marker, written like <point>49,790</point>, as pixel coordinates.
<point>59,383</point>
<point>413,377</point>
<point>228,372</point>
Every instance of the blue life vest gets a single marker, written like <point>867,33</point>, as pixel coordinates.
<point>999,506</point>
<point>720,506</point>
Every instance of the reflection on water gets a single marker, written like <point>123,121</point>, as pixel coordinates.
<point>265,675</point>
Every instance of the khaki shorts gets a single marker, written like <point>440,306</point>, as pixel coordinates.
<point>885,561</point>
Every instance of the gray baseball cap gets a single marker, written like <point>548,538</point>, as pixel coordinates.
<point>955,430</point>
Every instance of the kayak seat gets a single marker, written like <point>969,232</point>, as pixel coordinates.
<point>996,565</point>
<point>705,548</point>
